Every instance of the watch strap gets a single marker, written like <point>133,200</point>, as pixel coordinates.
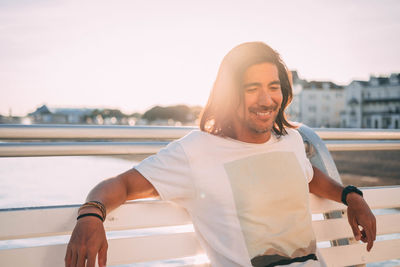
<point>350,189</point>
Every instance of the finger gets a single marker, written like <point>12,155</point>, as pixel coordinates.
<point>91,260</point>
<point>81,259</point>
<point>355,229</point>
<point>367,237</point>
<point>68,256</point>
<point>370,245</point>
<point>363,236</point>
<point>370,242</point>
<point>102,257</point>
<point>74,258</point>
<point>370,238</point>
<point>374,228</point>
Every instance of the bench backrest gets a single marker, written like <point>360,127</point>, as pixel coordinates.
<point>148,231</point>
<point>162,230</point>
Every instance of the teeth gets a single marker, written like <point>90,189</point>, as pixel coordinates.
<point>263,113</point>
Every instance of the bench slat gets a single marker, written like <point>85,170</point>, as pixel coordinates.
<point>152,214</point>
<point>121,251</point>
<point>147,214</point>
<point>156,214</point>
<point>320,205</point>
<point>356,253</point>
<point>154,248</point>
<point>332,229</point>
<point>377,198</point>
<point>37,222</point>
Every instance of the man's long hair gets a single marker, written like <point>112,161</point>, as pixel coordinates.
<point>227,93</point>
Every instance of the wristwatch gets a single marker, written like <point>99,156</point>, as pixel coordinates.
<point>349,189</point>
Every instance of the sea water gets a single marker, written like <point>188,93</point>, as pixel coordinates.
<point>44,181</point>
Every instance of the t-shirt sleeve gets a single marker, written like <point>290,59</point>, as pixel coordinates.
<point>304,161</point>
<point>169,172</point>
<point>308,168</point>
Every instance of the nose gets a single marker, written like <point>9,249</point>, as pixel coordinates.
<point>264,98</point>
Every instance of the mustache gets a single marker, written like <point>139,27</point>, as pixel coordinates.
<point>263,108</point>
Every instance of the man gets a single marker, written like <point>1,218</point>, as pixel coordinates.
<point>244,178</point>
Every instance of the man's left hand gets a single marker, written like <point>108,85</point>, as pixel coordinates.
<point>359,214</point>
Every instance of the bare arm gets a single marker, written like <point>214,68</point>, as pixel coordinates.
<point>358,211</point>
<point>88,237</point>
<point>126,186</point>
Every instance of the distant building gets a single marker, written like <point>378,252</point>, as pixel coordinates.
<point>11,120</point>
<point>46,115</point>
<point>373,104</point>
<point>321,104</point>
<point>316,103</point>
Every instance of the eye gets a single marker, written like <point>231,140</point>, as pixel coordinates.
<point>251,89</point>
<point>275,88</point>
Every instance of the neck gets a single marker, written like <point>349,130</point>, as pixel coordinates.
<point>255,138</point>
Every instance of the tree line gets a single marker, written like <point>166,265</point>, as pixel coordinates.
<point>181,113</point>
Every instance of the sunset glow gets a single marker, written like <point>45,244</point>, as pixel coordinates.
<point>132,55</point>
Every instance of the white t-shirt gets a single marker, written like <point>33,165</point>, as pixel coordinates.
<point>247,201</point>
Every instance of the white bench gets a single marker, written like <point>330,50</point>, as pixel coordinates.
<point>153,238</point>
<point>139,215</point>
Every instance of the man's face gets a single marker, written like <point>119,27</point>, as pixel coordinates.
<point>262,101</point>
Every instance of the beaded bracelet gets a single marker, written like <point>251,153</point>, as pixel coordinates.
<point>96,204</point>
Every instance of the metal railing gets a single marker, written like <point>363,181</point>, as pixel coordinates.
<point>74,140</point>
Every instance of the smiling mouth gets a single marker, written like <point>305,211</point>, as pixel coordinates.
<point>264,114</point>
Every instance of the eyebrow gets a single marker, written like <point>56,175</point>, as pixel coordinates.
<point>258,84</point>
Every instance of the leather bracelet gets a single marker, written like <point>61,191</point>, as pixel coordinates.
<point>350,189</point>
<point>96,204</point>
<point>90,214</point>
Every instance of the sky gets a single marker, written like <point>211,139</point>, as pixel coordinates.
<point>133,55</point>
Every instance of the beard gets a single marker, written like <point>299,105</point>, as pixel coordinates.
<point>255,126</point>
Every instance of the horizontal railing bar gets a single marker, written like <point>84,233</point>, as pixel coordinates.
<point>357,134</point>
<point>78,148</point>
<point>8,131</point>
<point>358,145</point>
<point>91,132</point>
<point>27,149</point>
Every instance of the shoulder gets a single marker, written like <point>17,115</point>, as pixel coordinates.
<point>201,142</point>
<point>193,140</point>
<point>193,136</point>
<point>292,139</point>
<point>293,133</point>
